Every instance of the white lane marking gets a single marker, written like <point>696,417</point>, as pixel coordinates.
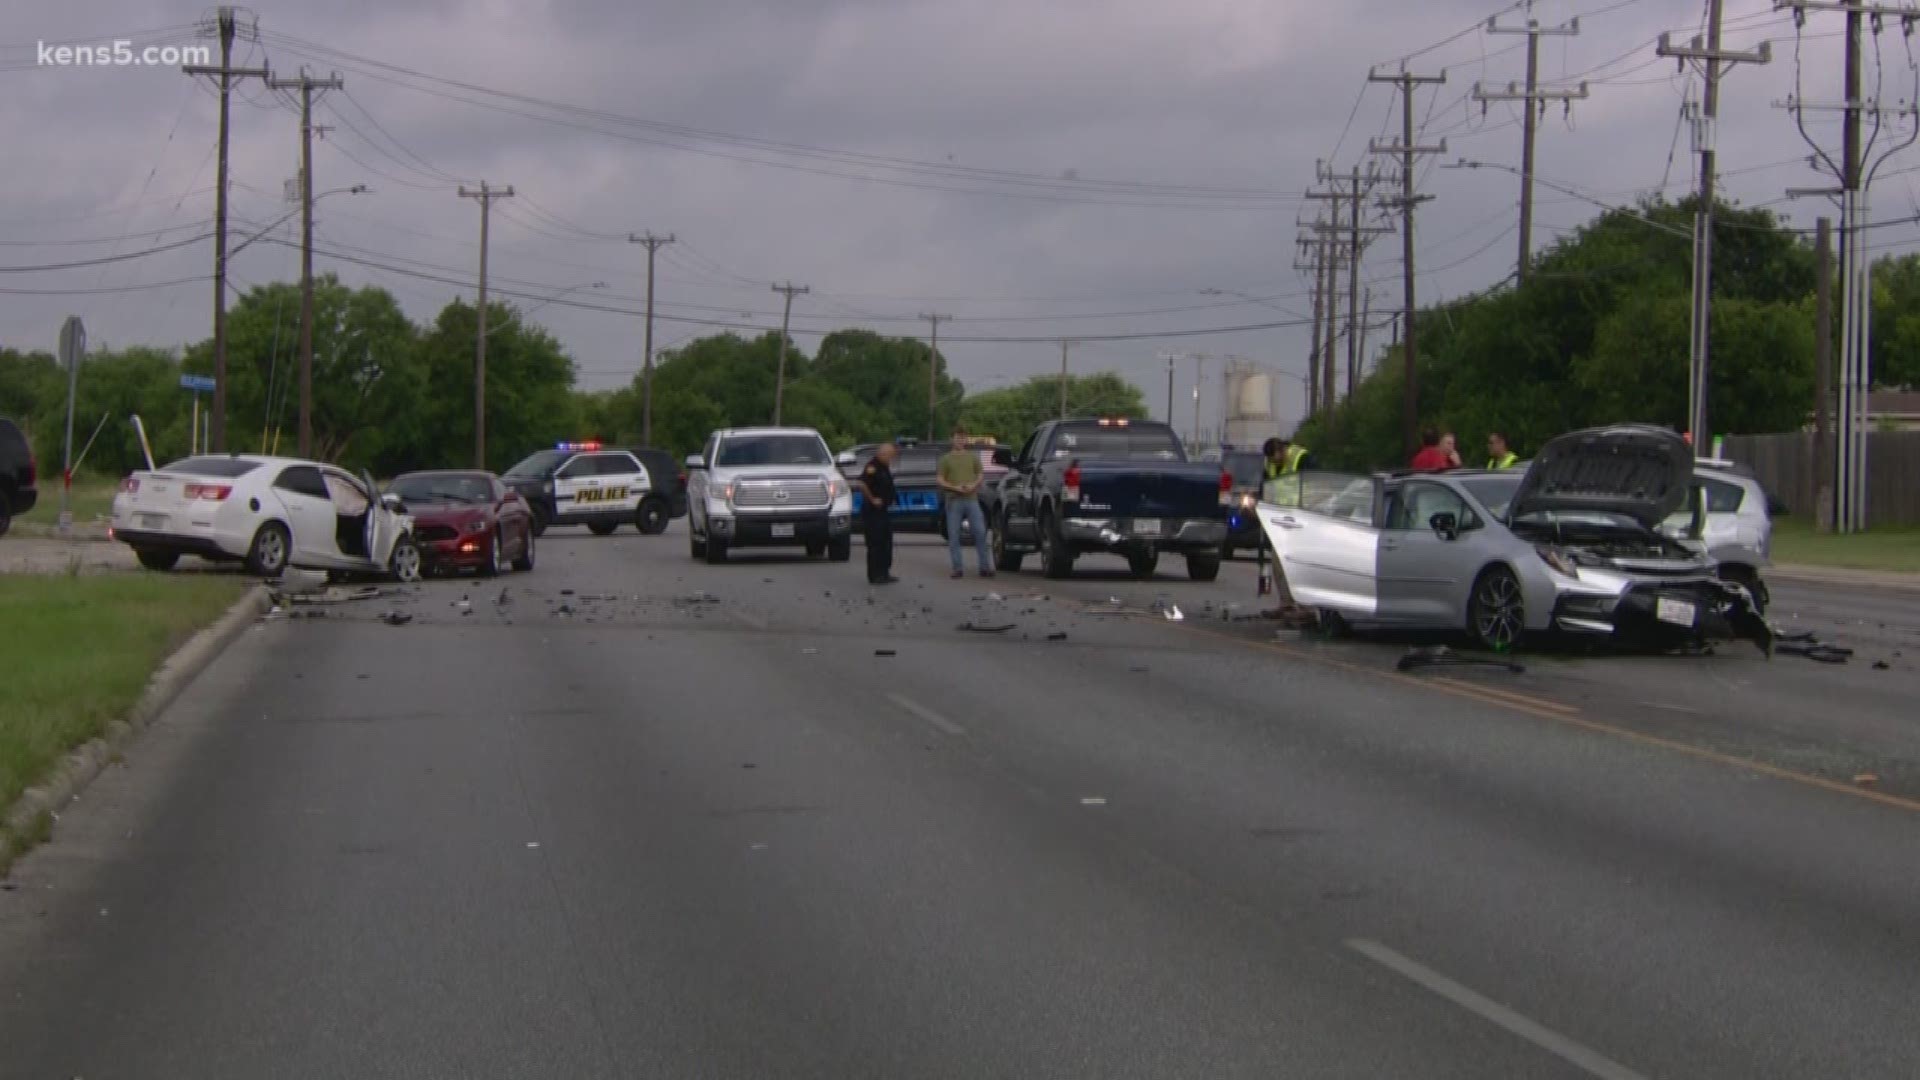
<point>1667,707</point>
<point>940,722</point>
<point>1486,1008</point>
<point>1093,800</point>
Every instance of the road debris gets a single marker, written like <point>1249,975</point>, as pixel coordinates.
<point>1804,643</point>
<point>692,599</point>
<point>1441,656</point>
<point>330,595</point>
<point>1882,665</point>
<point>1865,779</point>
<point>883,652</point>
<point>397,618</point>
<point>1058,635</point>
<point>979,628</point>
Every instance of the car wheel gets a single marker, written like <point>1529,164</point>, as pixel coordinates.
<point>1055,560</point>
<point>653,516</point>
<point>602,528</point>
<point>541,519</point>
<point>154,559</point>
<point>840,549</point>
<point>405,563</point>
<point>696,546</point>
<point>268,554</point>
<point>1203,567</point>
<point>1005,561</point>
<point>1142,564</point>
<point>497,554</point>
<point>716,551</point>
<point>525,562</point>
<point>6,514</point>
<point>1497,611</point>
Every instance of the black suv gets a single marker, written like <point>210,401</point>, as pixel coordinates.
<point>18,492</point>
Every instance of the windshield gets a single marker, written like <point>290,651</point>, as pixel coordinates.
<point>539,464</point>
<point>212,466</point>
<point>1125,444</point>
<point>1247,469</point>
<point>444,487</point>
<point>748,450</point>
<point>1493,492</point>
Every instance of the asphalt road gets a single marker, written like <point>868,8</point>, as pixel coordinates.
<point>650,818</point>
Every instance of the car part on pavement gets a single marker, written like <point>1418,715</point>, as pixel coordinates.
<point>1441,656</point>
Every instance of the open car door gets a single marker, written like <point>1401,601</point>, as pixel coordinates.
<point>1322,527</point>
<point>387,531</point>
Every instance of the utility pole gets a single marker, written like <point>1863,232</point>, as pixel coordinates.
<point>1198,359</point>
<point>1063,383</point>
<point>306,84</point>
<point>1169,358</point>
<point>226,27</point>
<point>654,243</point>
<point>485,195</point>
<point>1711,56</point>
<point>1366,312</point>
<point>1348,242</point>
<point>933,370</point>
<point>1856,295</point>
<point>1329,386</point>
<point>1314,263</point>
<point>1534,101</point>
<point>1407,149</point>
<point>789,290</point>
<point>1821,487</point>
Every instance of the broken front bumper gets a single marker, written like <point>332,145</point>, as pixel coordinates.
<point>1161,534</point>
<point>1667,613</point>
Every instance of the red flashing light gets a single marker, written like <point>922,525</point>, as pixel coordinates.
<point>581,447</point>
<point>209,492</point>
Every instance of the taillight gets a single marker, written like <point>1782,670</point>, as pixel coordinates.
<point>1071,482</point>
<point>1226,488</point>
<point>129,486</point>
<point>209,492</point>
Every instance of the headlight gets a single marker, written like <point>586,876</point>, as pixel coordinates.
<point>1558,560</point>
<point>721,493</point>
<point>476,526</point>
<point>835,489</point>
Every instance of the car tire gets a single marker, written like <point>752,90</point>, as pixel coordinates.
<point>695,546</point>
<point>542,517</point>
<point>1203,567</point>
<point>496,552</point>
<point>716,551</point>
<point>601,528</point>
<point>653,516</point>
<point>1496,610</point>
<point>1056,561</point>
<point>1004,561</point>
<point>1142,564</point>
<point>271,550</point>
<point>840,549</point>
<point>6,513</point>
<point>404,564</point>
<point>525,562</point>
<point>155,559</point>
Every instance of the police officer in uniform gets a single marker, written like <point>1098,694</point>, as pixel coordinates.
<point>877,494</point>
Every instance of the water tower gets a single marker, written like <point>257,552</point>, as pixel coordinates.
<point>1250,412</point>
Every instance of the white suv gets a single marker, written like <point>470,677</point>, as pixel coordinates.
<point>767,487</point>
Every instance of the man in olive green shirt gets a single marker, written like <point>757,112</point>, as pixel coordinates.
<point>959,478</point>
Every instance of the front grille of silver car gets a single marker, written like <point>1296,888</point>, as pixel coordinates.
<point>795,494</point>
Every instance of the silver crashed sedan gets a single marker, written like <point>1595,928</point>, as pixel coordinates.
<point>1574,543</point>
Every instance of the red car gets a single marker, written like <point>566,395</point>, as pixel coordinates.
<point>467,520</point>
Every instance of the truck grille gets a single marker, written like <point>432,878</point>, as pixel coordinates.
<point>808,494</point>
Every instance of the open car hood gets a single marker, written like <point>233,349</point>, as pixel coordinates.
<point>1640,471</point>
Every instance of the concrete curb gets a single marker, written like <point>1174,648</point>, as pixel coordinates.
<point>1861,579</point>
<point>19,825</point>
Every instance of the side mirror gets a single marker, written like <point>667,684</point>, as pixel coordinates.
<point>695,461</point>
<point>1003,458</point>
<point>845,457</point>
<point>1444,525</point>
<point>393,503</point>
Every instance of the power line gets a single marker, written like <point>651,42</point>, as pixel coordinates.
<point>76,264</point>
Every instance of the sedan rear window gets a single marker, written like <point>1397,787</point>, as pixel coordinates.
<point>212,466</point>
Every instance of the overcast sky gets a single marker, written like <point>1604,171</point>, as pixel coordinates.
<point>1080,159</point>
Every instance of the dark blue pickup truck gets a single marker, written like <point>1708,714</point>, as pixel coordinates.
<point>1119,487</point>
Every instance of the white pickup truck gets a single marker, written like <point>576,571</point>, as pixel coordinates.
<point>767,487</point>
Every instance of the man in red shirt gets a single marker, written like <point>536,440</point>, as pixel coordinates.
<point>1431,456</point>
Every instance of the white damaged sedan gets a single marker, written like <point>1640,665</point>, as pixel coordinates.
<point>1573,544</point>
<point>270,513</point>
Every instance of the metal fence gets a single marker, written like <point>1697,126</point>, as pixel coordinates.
<point>1784,463</point>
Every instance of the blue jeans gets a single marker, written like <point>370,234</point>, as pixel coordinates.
<point>968,510</point>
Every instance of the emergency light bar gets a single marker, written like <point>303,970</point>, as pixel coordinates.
<point>580,446</point>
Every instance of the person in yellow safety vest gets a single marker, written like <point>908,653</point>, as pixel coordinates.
<point>1498,455</point>
<point>1283,458</point>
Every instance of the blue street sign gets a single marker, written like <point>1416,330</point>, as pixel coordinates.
<point>197,383</point>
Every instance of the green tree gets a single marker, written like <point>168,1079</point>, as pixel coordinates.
<point>1011,413</point>
<point>530,402</point>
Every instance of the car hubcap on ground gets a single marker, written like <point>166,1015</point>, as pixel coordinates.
<point>1500,611</point>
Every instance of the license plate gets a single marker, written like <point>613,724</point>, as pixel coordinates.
<point>1146,527</point>
<point>1677,612</point>
<point>151,521</point>
<point>780,531</point>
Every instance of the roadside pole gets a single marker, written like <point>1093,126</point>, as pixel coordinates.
<point>73,345</point>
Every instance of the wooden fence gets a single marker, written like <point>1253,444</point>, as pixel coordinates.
<point>1784,464</point>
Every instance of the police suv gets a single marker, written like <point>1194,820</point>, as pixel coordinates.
<point>585,483</point>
